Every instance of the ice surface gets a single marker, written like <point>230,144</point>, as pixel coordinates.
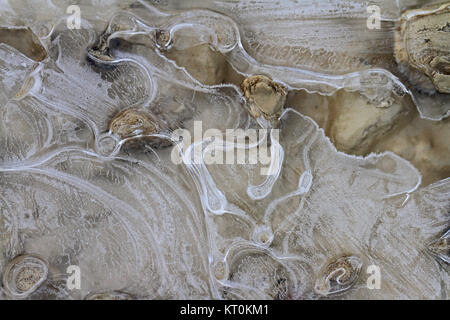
<point>135,221</point>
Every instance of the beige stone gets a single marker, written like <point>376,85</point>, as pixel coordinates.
<point>357,124</point>
<point>132,122</point>
<point>339,275</point>
<point>202,63</point>
<point>425,143</point>
<point>264,96</point>
<point>358,127</point>
<point>422,41</point>
<point>23,275</point>
<point>163,39</point>
<point>24,40</point>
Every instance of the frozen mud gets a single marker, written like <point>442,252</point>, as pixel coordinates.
<point>355,182</point>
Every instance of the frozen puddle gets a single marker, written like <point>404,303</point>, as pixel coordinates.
<point>122,154</point>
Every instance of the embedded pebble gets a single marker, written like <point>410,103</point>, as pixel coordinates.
<point>422,42</point>
<point>131,122</point>
<point>207,66</point>
<point>24,275</point>
<point>24,40</point>
<point>338,276</point>
<point>264,96</point>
